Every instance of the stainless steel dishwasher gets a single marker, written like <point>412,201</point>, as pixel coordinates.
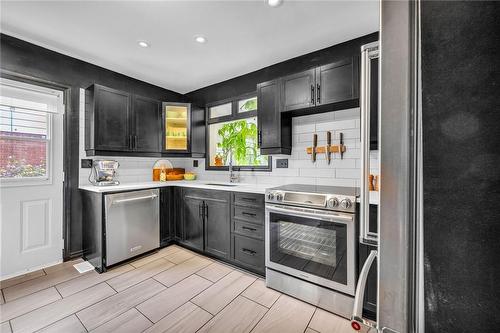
<point>132,224</point>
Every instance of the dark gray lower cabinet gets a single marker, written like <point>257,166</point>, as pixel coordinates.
<point>247,228</point>
<point>193,222</point>
<point>206,221</point>
<point>217,226</point>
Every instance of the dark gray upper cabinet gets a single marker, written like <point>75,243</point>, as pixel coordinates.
<point>298,90</point>
<point>217,226</point>
<point>335,82</point>
<point>275,134</point>
<point>118,122</point>
<point>107,119</point>
<point>146,126</point>
<point>328,84</point>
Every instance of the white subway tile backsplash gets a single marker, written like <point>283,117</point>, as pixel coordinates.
<point>340,172</point>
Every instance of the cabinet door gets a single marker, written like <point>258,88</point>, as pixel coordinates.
<point>146,124</point>
<point>218,227</point>
<point>165,215</point>
<point>335,82</point>
<point>269,121</point>
<point>193,223</point>
<point>298,90</point>
<point>176,127</point>
<point>112,115</point>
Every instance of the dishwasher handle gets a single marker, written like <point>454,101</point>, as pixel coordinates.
<point>152,196</point>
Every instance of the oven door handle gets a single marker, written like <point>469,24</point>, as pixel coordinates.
<point>310,214</point>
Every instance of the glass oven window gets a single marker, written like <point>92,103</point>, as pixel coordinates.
<point>310,246</point>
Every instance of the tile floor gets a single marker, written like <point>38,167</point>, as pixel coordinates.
<point>172,290</point>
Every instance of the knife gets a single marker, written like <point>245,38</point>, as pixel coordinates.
<point>315,144</point>
<point>328,145</point>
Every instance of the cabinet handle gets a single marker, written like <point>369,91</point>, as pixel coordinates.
<point>248,228</point>
<point>312,93</point>
<point>205,211</point>
<point>318,87</point>
<point>249,199</point>
<point>200,210</point>
<point>249,252</point>
<point>135,141</point>
<point>130,142</point>
<point>259,138</point>
<point>248,214</point>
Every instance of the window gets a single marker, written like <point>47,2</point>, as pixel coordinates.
<point>220,110</point>
<point>25,140</point>
<point>234,137</point>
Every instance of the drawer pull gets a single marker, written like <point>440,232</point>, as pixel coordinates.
<point>249,214</point>
<point>249,252</point>
<point>248,228</point>
<point>249,199</point>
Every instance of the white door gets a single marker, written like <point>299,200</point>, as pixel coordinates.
<point>31,177</point>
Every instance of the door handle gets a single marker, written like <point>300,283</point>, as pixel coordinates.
<point>136,198</point>
<point>357,321</point>
<point>318,87</point>
<point>312,93</point>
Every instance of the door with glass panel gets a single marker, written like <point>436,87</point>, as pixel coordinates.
<point>176,127</point>
<point>31,177</point>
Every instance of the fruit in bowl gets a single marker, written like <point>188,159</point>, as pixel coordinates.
<point>189,176</point>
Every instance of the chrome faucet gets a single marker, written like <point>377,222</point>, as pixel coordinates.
<point>233,178</point>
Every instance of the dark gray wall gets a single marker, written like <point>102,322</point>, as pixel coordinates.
<point>248,83</point>
<point>461,124</point>
<point>27,59</point>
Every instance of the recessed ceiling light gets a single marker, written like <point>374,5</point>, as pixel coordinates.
<point>143,43</point>
<point>200,39</point>
<point>274,3</point>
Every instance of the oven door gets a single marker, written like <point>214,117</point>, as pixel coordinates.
<point>313,245</point>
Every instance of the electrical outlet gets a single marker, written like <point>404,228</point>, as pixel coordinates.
<point>195,163</point>
<point>282,163</point>
<point>86,163</point>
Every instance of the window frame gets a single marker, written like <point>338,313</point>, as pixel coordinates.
<point>235,115</point>
<point>39,180</point>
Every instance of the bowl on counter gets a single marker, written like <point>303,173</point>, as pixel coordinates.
<point>189,176</point>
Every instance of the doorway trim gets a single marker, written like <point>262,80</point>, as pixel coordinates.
<point>66,89</point>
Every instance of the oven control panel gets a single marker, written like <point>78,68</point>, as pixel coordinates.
<point>313,200</point>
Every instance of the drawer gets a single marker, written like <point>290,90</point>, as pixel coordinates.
<point>249,252</point>
<point>249,199</point>
<point>205,194</point>
<point>249,214</point>
<point>249,229</point>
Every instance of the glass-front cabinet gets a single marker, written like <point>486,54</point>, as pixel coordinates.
<point>176,127</point>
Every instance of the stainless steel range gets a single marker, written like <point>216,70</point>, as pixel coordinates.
<point>311,244</point>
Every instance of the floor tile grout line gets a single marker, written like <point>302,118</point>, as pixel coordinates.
<point>37,307</point>
<point>76,313</point>
<point>267,310</point>
<point>135,307</point>
<point>52,285</point>
<point>189,300</point>
<point>103,281</point>
<point>78,318</point>
<point>310,319</point>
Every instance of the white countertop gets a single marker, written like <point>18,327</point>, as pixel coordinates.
<point>203,184</point>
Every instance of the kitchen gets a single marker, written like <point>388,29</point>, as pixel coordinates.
<point>248,197</point>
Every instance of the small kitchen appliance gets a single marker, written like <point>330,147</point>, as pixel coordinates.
<point>103,172</point>
<point>311,244</point>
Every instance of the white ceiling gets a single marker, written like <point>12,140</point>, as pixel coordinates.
<point>243,36</point>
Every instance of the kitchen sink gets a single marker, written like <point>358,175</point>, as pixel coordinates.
<point>221,184</point>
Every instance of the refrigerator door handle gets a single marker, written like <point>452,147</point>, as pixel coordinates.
<point>357,321</point>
